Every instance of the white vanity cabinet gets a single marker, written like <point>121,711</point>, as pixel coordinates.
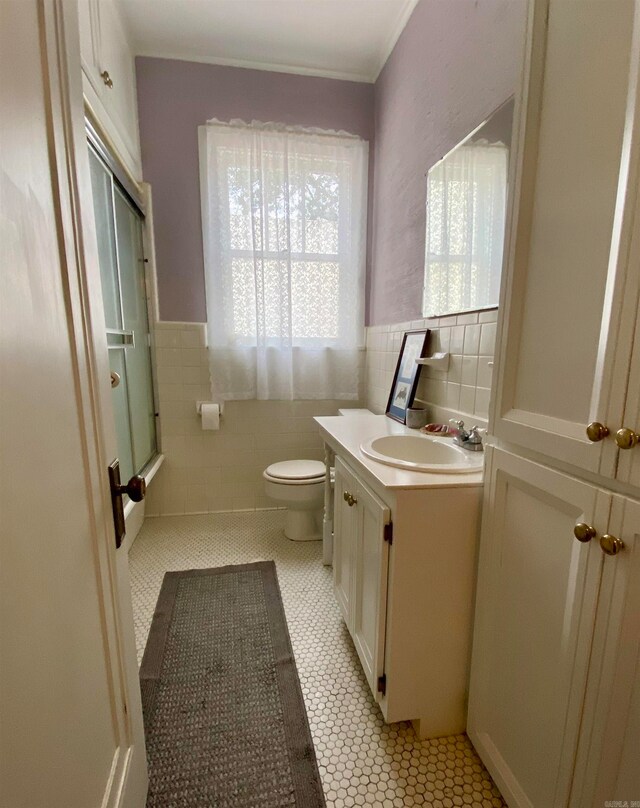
<point>109,80</point>
<point>404,558</point>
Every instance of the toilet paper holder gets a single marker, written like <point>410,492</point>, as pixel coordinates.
<point>200,403</point>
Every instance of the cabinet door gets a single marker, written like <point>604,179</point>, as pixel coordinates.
<point>607,763</point>
<point>105,47</point>
<point>345,525</point>
<point>535,613</point>
<point>568,239</point>
<point>629,460</point>
<point>624,385</point>
<point>116,58</point>
<point>370,566</point>
<point>89,24</point>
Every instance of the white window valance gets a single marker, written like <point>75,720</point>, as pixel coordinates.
<point>284,222</point>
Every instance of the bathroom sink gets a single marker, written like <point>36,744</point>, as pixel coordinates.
<point>422,453</point>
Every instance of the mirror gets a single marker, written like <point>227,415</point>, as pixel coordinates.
<point>465,220</point>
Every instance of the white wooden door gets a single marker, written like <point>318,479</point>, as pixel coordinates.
<point>70,718</point>
<point>535,613</point>
<point>345,525</point>
<point>565,273</point>
<point>370,569</point>
<point>607,767</point>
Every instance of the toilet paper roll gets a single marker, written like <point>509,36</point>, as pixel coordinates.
<point>210,416</point>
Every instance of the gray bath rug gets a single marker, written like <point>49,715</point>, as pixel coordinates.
<point>225,721</point>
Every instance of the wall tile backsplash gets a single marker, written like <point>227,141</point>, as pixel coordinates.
<point>463,390</point>
<point>220,470</point>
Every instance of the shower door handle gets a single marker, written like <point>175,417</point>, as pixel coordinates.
<point>135,489</point>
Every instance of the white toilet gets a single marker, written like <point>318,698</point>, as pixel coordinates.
<point>299,485</point>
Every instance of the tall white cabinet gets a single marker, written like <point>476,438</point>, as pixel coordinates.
<point>554,704</point>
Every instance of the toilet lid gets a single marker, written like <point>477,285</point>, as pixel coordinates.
<point>296,470</point>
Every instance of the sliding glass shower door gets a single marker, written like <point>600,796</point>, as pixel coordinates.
<point>120,252</point>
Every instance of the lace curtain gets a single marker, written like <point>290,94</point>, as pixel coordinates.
<point>466,198</point>
<point>283,215</point>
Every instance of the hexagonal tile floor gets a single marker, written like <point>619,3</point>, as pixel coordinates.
<point>362,760</point>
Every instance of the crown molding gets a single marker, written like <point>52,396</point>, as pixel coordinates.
<point>390,44</point>
<point>248,64</point>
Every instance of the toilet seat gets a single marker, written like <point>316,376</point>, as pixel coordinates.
<point>295,472</point>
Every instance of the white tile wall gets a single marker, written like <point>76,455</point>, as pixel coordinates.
<point>462,391</point>
<point>221,470</point>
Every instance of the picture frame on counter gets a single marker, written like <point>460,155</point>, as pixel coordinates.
<point>407,374</point>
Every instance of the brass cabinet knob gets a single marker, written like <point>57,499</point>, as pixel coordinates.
<point>349,499</point>
<point>106,78</point>
<point>597,431</point>
<point>610,544</point>
<point>584,532</point>
<point>115,378</point>
<point>627,438</point>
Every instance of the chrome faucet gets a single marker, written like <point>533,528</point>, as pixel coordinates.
<point>471,439</point>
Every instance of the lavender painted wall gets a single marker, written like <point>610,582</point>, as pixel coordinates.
<point>174,98</point>
<point>454,63</point>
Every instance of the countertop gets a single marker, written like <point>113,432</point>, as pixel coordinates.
<point>345,433</point>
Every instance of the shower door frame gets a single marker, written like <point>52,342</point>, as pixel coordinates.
<point>139,195</point>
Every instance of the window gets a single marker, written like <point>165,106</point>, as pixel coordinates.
<point>301,228</point>
<point>284,240</point>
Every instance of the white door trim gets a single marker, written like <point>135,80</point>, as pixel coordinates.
<point>86,327</point>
